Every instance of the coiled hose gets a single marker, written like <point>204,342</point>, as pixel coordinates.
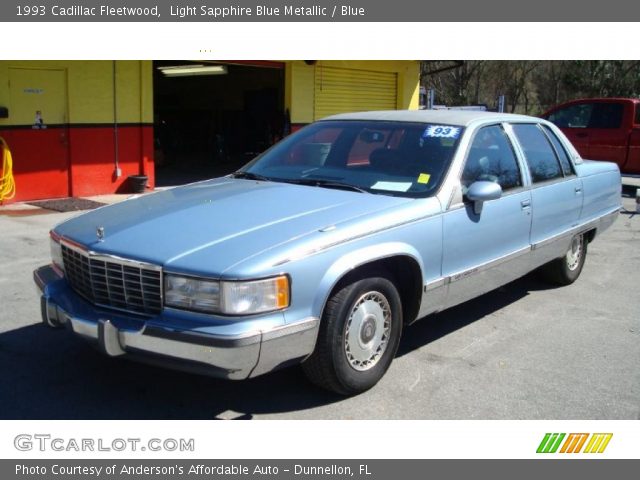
<point>7,183</point>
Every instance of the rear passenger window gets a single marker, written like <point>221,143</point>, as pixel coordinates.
<point>560,151</point>
<point>491,158</point>
<point>540,156</point>
<point>606,115</point>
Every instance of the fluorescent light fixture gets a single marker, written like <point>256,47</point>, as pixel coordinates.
<point>193,70</point>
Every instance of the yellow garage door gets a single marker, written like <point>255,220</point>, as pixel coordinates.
<point>340,90</point>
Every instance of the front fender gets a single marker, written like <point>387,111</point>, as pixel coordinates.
<point>357,258</point>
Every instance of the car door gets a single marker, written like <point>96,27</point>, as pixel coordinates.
<point>574,121</point>
<point>608,136</point>
<point>556,191</point>
<point>483,251</point>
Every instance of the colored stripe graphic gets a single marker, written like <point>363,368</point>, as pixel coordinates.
<point>550,442</point>
<point>598,442</point>
<point>574,443</point>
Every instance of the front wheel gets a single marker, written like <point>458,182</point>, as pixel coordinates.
<point>359,335</point>
<point>566,270</point>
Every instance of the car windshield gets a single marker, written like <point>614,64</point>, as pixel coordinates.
<point>392,158</point>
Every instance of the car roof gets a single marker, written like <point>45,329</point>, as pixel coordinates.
<point>461,118</point>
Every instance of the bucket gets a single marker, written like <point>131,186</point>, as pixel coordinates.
<point>138,183</point>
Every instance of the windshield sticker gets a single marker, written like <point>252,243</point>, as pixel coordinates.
<point>392,186</point>
<point>441,131</point>
<point>424,178</point>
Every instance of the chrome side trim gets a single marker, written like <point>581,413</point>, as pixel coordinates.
<point>551,240</point>
<point>291,329</point>
<point>487,265</point>
<point>231,341</point>
<point>434,284</point>
<point>287,345</point>
<point>577,229</point>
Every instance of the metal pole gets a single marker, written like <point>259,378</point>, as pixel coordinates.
<point>431,98</point>
<point>116,142</point>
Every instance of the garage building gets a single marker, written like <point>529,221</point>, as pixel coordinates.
<point>81,128</point>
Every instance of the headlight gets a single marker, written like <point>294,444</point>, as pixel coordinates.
<point>56,251</point>
<point>229,298</point>
<point>255,296</point>
<point>192,293</point>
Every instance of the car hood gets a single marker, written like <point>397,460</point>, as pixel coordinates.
<point>206,227</point>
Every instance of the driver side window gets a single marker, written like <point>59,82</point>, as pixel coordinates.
<point>491,158</point>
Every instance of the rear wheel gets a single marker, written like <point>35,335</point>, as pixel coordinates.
<point>566,270</point>
<point>359,335</point>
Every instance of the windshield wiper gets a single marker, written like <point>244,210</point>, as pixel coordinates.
<point>316,182</point>
<point>250,176</point>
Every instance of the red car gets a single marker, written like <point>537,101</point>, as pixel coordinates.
<point>602,129</point>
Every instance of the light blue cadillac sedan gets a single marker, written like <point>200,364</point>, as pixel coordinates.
<point>323,248</point>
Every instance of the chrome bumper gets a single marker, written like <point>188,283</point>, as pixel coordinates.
<point>228,356</point>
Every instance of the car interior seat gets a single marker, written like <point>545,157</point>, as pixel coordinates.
<point>386,160</point>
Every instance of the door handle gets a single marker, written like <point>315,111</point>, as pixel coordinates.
<point>578,190</point>
<point>525,204</point>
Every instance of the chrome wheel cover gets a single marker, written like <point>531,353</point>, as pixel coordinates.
<point>575,253</point>
<point>367,331</point>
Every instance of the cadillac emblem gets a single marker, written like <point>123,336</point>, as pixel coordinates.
<point>100,233</point>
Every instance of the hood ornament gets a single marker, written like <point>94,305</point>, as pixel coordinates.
<point>100,233</point>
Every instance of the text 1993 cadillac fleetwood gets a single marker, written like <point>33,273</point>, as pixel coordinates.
<point>320,250</point>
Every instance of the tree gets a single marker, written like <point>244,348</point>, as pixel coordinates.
<point>530,86</point>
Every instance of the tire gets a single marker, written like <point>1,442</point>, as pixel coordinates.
<point>358,338</point>
<point>566,269</point>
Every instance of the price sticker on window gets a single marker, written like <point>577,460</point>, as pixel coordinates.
<point>424,178</point>
<point>441,131</point>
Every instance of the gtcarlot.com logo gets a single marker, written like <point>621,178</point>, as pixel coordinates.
<point>574,443</point>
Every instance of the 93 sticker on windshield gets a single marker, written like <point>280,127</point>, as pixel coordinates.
<point>441,131</point>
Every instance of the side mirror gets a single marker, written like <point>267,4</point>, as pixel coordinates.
<point>482,191</point>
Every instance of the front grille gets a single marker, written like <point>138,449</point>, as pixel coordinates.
<point>121,284</point>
